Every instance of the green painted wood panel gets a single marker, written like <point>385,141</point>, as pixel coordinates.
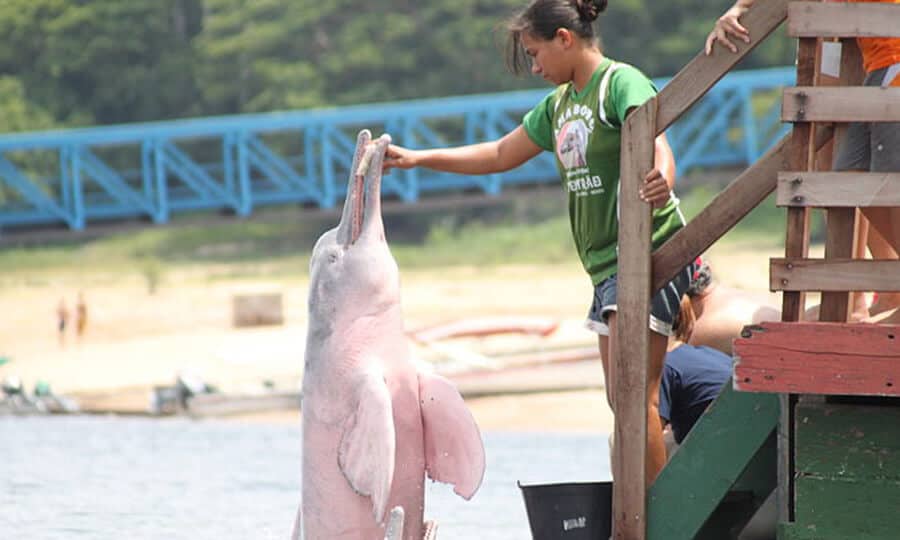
<point>795,531</point>
<point>714,455</point>
<point>848,441</point>
<point>850,506</point>
<point>847,483</point>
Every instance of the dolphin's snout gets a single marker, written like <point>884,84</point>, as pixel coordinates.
<point>362,208</point>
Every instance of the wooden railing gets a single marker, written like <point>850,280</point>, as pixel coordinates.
<point>637,279</point>
<point>642,273</point>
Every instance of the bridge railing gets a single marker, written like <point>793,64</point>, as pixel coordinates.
<point>238,163</point>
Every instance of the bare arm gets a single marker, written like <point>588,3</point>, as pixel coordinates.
<point>728,26</point>
<point>660,181</point>
<point>508,152</point>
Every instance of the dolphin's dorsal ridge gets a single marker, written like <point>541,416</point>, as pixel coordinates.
<point>366,454</point>
<point>454,453</point>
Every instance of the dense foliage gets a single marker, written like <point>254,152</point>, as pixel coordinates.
<point>80,62</point>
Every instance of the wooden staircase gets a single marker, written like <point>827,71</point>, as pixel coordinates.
<point>834,462</point>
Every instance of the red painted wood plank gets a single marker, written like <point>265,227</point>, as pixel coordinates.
<point>819,358</point>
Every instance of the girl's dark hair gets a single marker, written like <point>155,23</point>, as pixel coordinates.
<point>542,18</point>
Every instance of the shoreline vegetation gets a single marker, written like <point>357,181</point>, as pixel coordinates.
<point>159,300</point>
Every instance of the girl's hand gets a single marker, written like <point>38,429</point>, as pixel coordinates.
<point>728,26</point>
<point>398,157</point>
<point>656,189</point>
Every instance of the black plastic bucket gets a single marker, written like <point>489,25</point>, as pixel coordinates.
<point>572,511</point>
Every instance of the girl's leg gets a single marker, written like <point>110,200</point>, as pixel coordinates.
<point>656,448</point>
<point>608,381</point>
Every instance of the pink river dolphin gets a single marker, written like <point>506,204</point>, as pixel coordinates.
<point>374,425</point>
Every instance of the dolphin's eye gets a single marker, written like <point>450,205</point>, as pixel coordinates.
<point>332,257</point>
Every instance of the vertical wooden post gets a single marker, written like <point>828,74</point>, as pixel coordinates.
<point>843,224</point>
<point>796,245</point>
<point>633,333</point>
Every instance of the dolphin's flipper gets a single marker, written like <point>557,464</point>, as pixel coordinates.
<point>430,531</point>
<point>394,529</point>
<point>454,453</point>
<point>366,454</point>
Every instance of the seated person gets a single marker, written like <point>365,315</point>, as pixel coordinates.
<point>692,379</point>
<point>718,313</point>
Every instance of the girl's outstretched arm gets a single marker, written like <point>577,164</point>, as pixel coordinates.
<point>508,152</point>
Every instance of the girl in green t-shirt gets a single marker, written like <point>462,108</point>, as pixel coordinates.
<point>580,123</point>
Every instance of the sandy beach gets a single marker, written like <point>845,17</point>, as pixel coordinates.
<point>135,340</point>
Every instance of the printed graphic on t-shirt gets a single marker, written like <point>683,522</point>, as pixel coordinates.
<point>571,144</point>
<point>575,127</point>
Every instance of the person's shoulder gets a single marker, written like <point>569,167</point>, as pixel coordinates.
<point>623,71</point>
<point>687,356</point>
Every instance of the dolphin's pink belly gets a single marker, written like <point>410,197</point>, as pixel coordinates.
<point>331,508</point>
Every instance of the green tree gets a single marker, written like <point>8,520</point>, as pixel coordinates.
<point>103,61</point>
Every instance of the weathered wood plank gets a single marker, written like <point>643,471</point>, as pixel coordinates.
<point>802,156</point>
<point>801,531</point>
<point>848,442</point>
<point>831,20</point>
<point>790,274</point>
<point>843,509</point>
<point>633,335</point>
<point>838,189</point>
<point>725,210</point>
<point>711,459</point>
<point>728,207</point>
<point>703,71</point>
<point>819,358</point>
<point>844,104</point>
<point>796,244</point>
<point>843,238</point>
<point>840,243</point>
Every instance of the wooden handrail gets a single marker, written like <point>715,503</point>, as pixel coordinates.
<point>701,73</point>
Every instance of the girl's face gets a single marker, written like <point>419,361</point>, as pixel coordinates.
<point>548,57</point>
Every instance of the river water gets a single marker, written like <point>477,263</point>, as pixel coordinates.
<point>99,477</point>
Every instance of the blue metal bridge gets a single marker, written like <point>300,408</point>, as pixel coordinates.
<point>74,178</point>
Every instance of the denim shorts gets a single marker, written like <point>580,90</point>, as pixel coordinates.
<point>664,306</point>
<point>872,146</point>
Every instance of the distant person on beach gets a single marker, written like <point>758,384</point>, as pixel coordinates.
<point>81,315</point>
<point>62,320</point>
<point>580,122</point>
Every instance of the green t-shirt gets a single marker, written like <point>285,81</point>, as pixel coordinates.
<point>582,129</point>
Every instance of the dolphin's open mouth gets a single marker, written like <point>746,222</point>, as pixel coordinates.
<point>362,207</point>
<point>359,194</point>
